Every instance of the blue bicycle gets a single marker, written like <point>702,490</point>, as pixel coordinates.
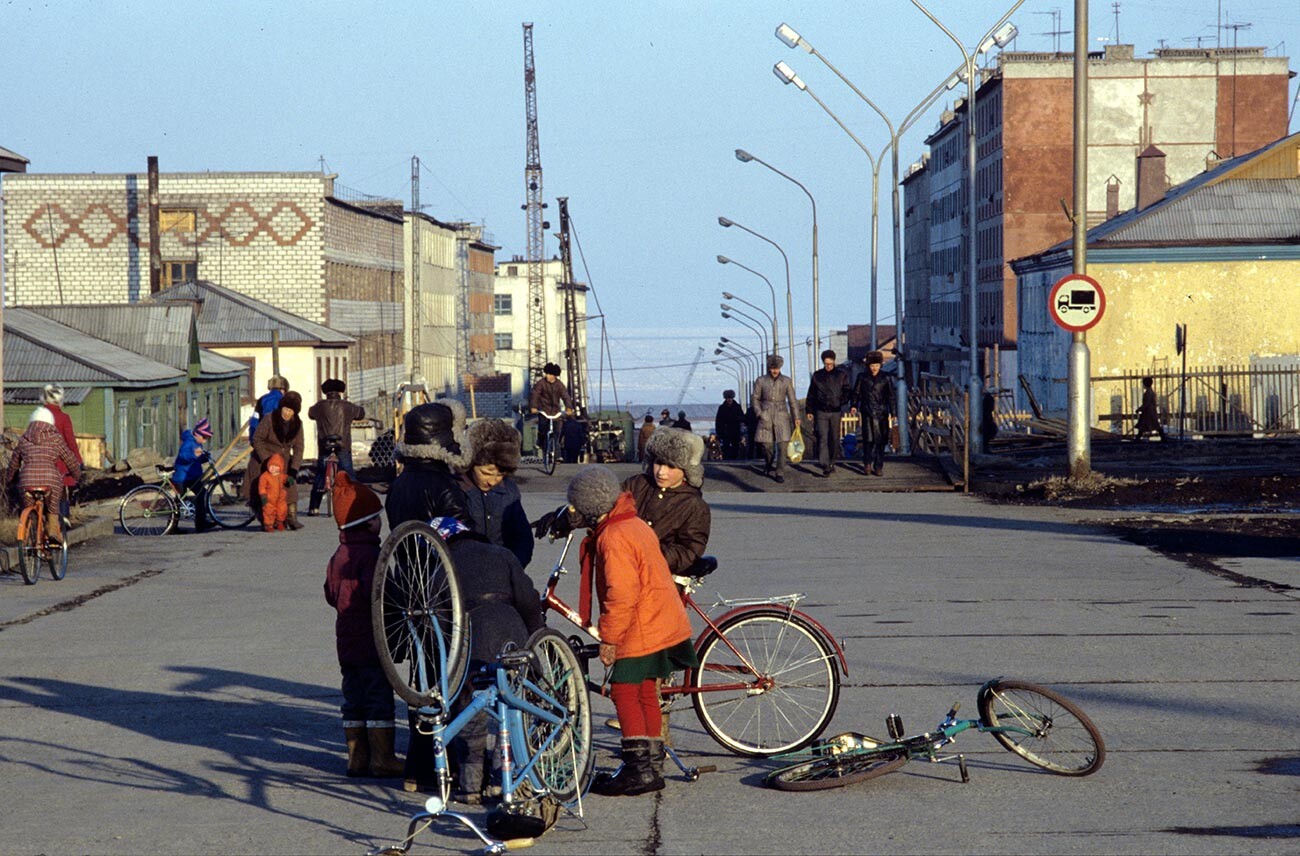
<point>536,695</point>
<point>1034,722</point>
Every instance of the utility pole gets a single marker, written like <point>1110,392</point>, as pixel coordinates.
<point>1078,430</point>
<point>417,259</point>
<point>573,356</point>
<point>155,239</point>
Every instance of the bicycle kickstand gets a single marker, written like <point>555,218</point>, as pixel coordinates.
<point>961,766</point>
<point>692,774</point>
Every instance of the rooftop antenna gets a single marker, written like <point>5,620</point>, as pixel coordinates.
<point>1056,32</point>
<point>1115,9</point>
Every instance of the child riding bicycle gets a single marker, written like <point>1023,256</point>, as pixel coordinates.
<point>188,470</point>
<point>36,464</point>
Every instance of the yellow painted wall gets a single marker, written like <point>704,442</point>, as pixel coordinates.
<point>298,366</point>
<point>1233,311</point>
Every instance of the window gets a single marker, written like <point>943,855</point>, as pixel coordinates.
<point>174,273</point>
<point>503,304</point>
<point>504,341</point>
<point>512,270</point>
<point>178,220</point>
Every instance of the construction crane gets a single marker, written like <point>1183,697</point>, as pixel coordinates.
<point>690,373</point>
<point>574,358</point>
<point>536,225</point>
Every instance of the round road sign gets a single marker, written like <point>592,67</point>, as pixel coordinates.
<point>1076,302</point>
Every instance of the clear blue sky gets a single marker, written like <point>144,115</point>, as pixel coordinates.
<point>641,106</point>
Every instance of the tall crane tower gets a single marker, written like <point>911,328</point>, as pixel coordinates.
<point>536,225</point>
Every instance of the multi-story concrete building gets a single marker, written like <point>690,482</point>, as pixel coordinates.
<point>450,328</point>
<point>1197,105</point>
<point>284,238</point>
<point>511,331</point>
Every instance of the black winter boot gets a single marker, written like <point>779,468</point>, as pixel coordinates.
<point>635,777</point>
<point>657,755</point>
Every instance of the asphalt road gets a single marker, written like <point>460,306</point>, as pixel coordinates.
<point>179,695</point>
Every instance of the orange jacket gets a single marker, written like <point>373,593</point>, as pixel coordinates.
<point>271,487</point>
<point>641,611</point>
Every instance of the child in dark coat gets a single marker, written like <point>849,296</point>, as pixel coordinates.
<point>503,606</point>
<point>367,696</point>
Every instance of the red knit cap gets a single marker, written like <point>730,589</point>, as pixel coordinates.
<point>353,502</point>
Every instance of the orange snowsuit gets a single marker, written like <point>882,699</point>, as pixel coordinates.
<point>275,497</point>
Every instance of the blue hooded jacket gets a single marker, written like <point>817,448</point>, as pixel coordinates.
<point>266,405</point>
<point>189,460</point>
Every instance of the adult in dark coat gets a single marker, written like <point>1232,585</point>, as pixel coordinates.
<point>573,438</point>
<point>828,393</point>
<point>433,451</point>
<point>333,416</point>
<point>492,498</point>
<point>1149,413</point>
<point>728,420</point>
<point>503,607</point>
<point>281,434</point>
<point>873,396</point>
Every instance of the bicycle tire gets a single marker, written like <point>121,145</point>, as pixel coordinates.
<point>29,561</point>
<point>420,627</point>
<point>565,766</point>
<point>148,510</point>
<point>226,506</point>
<point>57,557</point>
<point>1062,739</point>
<point>836,771</point>
<point>331,470</point>
<point>793,710</point>
<point>548,453</point>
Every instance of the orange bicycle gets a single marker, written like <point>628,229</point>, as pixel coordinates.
<point>34,545</point>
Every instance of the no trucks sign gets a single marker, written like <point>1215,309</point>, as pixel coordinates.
<point>1076,302</point>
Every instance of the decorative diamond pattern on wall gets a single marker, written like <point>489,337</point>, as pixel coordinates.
<point>239,223</point>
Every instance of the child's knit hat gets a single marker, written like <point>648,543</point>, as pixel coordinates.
<point>354,503</point>
<point>203,428</point>
<point>593,492</point>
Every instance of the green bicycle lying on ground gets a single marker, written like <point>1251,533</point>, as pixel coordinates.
<point>1032,721</point>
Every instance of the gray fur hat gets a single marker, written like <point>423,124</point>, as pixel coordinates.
<point>775,361</point>
<point>436,432</point>
<point>593,492</point>
<point>496,442</point>
<point>677,448</point>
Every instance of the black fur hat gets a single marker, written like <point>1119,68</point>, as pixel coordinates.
<point>436,431</point>
<point>494,441</point>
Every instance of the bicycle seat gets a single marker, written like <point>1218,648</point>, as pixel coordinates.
<point>164,468</point>
<point>36,492</point>
<point>702,567</point>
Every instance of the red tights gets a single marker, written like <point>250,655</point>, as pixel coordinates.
<point>637,706</point>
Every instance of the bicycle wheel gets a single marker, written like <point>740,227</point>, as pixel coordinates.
<point>836,771</point>
<point>148,510</point>
<point>566,762</point>
<point>421,630</point>
<point>1044,728</point>
<point>331,470</point>
<point>548,453</point>
<point>29,562</point>
<point>57,557</point>
<point>226,507</point>
<point>784,702</point>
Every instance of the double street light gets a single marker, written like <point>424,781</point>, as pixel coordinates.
<point>745,157</point>
<point>723,260</point>
<point>789,299</point>
<point>739,317</point>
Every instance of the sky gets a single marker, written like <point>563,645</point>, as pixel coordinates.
<point>641,106</point>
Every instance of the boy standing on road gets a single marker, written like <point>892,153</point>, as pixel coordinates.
<point>367,696</point>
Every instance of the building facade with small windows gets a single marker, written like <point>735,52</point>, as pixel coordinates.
<point>289,239</point>
<point>510,308</point>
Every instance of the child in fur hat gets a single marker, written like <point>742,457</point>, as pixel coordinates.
<point>367,696</point>
<point>492,501</point>
<point>644,632</point>
<point>274,495</point>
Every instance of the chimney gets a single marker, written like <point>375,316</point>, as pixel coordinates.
<point>1112,197</point>
<point>1151,181</point>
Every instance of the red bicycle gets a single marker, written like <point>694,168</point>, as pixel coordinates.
<point>769,675</point>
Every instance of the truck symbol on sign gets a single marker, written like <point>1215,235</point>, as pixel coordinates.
<point>1084,300</point>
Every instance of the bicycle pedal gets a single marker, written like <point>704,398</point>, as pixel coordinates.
<point>894,723</point>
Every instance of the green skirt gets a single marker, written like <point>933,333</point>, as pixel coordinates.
<point>660,664</point>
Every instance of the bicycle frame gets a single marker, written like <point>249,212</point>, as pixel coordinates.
<point>786,603</point>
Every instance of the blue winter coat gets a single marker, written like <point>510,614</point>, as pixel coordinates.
<point>189,460</point>
<point>499,515</point>
<point>265,406</point>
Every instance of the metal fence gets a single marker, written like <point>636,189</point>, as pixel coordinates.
<point>1259,400</point>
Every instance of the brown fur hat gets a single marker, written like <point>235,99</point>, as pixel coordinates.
<point>677,448</point>
<point>494,441</point>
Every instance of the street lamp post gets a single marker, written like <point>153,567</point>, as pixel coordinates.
<point>999,35</point>
<point>757,327</point>
<point>789,300</point>
<point>759,364</point>
<point>727,295</point>
<point>742,367</point>
<point>745,157</point>
<point>776,338</point>
<point>735,374</point>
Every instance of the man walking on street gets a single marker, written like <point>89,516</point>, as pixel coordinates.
<point>778,413</point>
<point>828,392</point>
<point>727,422</point>
<point>874,396</point>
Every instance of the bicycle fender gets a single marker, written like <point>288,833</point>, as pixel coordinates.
<point>781,610</point>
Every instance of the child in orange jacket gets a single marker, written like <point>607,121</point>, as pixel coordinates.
<point>275,497</point>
